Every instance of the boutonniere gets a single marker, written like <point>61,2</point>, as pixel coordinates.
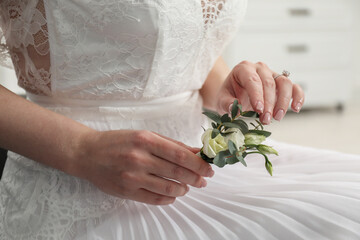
<point>230,139</point>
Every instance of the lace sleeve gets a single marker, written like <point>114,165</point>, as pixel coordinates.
<point>5,59</point>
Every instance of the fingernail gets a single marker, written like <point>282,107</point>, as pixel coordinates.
<point>260,106</point>
<point>279,115</point>
<point>187,189</point>
<point>203,183</point>
<point>298,107</point>
<point>267,118</point>
<point>210,173</point>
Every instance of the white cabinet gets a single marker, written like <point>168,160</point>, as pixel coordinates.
<point>310,38</point>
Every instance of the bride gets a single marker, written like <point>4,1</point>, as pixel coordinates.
<point>115,89</point>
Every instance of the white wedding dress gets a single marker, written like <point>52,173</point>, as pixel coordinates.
<point>138,64</point>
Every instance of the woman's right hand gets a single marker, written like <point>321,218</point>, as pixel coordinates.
<point>140,165</point>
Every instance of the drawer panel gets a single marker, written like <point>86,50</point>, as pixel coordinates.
<point>294,15</point>
<point>325,88</point>
<point>281,50</point>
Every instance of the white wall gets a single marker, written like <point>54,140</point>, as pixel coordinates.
<point>356,92</point>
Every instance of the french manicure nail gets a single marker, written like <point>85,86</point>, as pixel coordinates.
<point>298,107</point>
<point>279,115</point>
<point>267,118</point>
<point>260,106</point>
<point>203,183</point>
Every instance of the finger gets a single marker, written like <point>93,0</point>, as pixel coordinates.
<point>177,154</point>
<point>176,172</point>
<point>246,76</point>
<point>298,98</point>
<point>145,196</point>
<point>192,149</point>
<point>284,88</point>
<point>269,90</point>
<point>226,98</point>
<point>164,186</point>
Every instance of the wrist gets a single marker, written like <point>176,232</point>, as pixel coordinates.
<point>79,157</point>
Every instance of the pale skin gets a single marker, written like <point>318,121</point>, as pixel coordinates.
<point>132,164</point>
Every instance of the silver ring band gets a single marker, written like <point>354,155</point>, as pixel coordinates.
<point>284,73</point>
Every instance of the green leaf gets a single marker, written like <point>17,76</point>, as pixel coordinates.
<point>240,109</point>
<point>232,160</point>
<point>225,118</point>
<point>232,147</point>
<point>231,125</point>
<point>268,166</point>
<point>213,116</point>
<point>251,114</point>
<point>214,133</point>
<point>261,132</point>
<point>213,125</point>
<point>234,109</point>
<point>242,125</point>
<point>241,158</point>
<point>219,160</point>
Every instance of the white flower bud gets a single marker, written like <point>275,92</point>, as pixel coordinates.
<point>254,139</point>
<point>267,150</point>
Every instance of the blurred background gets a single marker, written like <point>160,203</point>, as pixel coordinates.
<point>318,41</point>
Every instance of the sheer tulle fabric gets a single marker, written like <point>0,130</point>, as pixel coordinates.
<point>129,64</point>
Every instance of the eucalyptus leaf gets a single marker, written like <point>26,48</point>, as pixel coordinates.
<point>225,118</point>
<point>232,160</point>
<point>213,125</point>
<point>219,160</point>
<point>242,125</point>
<point>231,125</point>
<point>213,116</point>
<point>214,133</point>
<point>241,159</point>
<point>250,114</point>
<point>261,132</point>
<point>232,147</point>
<point>240,109</point>
<point>234,109</point>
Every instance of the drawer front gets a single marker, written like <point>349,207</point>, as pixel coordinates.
<point>294,14</point>
<point>293,51</point>
<point>324,88</point>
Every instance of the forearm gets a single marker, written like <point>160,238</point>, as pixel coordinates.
<point>38,133</point>
<point>213,83</point>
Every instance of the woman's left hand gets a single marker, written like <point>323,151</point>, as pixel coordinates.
<point>253,84</point>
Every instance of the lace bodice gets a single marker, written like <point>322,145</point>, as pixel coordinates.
<point>111,49</point>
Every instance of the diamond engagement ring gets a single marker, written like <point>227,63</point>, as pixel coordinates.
<point>284,73</point>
